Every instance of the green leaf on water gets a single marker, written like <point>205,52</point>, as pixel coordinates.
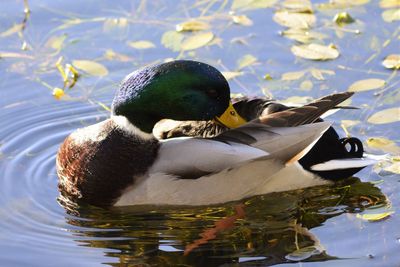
<point>246,60</point>
<point>252,4</point>
<point>294,20</point>
<point>193,25</point>
<point>374,216</point>
<point>90,67</point>
<point>343,18</point>
<point>291,76</point>
<point>172,40</point>
<point>389,115</point>
<point>392,62</point>
<point>242,20</point>
<point>142,44</point>
<point>315,51</point>
<point>231,74</point>
<point>197,40</point>
<point>367,84</point>
<point>391,15</point>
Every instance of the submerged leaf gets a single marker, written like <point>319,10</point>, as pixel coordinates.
<point>91,67</point>
<point>246,61</point>
<point>172,40</point>
<point>56,42</point>
<point>318,73</point>
<point>290,76</point>
<point>392,61</point>
<point>294,20</point>
<point>242,20</point>
<point>196,41</point>
<point>385,116</point>
<point>374,216</point>
<point>193,25</point>
<point>142,44</point>
<point>315,51</point>
<point>14,29</point>
<point>303,35</point>
<point>367,84</point>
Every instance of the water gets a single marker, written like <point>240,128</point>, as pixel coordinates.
<point>318,226</point>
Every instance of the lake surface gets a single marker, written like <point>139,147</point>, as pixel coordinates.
<point>353,223</point>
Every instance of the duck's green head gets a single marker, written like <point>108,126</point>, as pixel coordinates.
<point>178,90</point>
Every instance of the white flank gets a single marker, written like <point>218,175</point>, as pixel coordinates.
<point>339,164</point>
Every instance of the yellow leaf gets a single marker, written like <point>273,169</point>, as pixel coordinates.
<point>56,42</point>
<point>383,144</point>
<point>193,25</point>
<point>196,41</point>
<point>385,116</point>
<point>172,40</point>
<point>243,20</point>
<point>315,51</point>
<point>143,44</point>
<point>306,85</point>
<point>391,15</point>
<point>246,61</point>
<point>303,35</point>
<point>231,74</point>
<point>290,76</point>
<point>58,93</point>
<point>389,3</point>
<point>252,4</point>
<point>392,62</point>
<point>294,20</point>
<point>374,216</point>
<point>367,84</point>
<point>14,29</point>
<point>91,67</point>
<point>393,168</point>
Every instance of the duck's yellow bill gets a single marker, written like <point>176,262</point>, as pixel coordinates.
<point>230,118</point>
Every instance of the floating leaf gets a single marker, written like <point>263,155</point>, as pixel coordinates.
<point>112,55</point>
<point>196,41</point>
<point>231,74</point>
<point>298,5</point>
<point>58,93</point>
<point>294,20</point>
<point>14,29</point>
<point>246,61</point>
<point>303,35</point>
<point>193,25</point>
<point>242,20</point>
<point>394,168</point>
<point>291,76</point>
<point>385,116</point>
<point>142,44</point>
<point>367,84</point>
<point>389,3</point>
<point>391,15</point>
<point>91,67</point>
<point>172,40</point>
<point>392,62</point>
<point>341,4</point>
<point>383,144</point>
<point>315,51</point>
<point>343,18</point>
<point>303,253</point>
<point>14,55</point>
<point>252,4</point>
<point>374,216</point>
<point>56,42</point>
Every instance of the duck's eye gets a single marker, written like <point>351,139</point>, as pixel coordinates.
<point>212,93</point>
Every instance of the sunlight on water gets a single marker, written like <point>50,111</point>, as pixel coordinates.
<point>322,224</point>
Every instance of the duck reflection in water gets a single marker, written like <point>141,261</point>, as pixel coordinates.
<point>263,230</point>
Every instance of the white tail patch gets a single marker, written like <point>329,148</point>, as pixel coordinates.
<point>339,164</point>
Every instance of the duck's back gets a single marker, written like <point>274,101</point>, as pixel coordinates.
<point>96,163</point>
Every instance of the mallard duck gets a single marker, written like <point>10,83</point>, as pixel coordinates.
<point>120,162</point>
